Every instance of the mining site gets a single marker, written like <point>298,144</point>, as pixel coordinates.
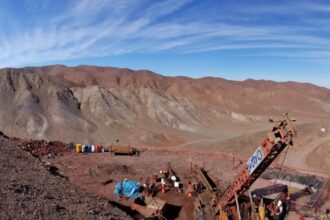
<point>164,110</point>
<point>92,142</point>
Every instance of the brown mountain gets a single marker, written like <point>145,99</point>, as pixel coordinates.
<point>103,104</point>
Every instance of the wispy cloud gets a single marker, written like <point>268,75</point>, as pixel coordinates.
<point>109,27</point>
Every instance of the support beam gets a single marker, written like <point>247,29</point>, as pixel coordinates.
<point>237,206</point>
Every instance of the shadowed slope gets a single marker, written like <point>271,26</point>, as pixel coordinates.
<point>99,104</point>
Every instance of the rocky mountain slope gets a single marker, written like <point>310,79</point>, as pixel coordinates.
<point>29,191</point>
<point>99,104</point>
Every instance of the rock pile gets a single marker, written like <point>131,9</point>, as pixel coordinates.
<point>43,147</point>
<point>28,191</point>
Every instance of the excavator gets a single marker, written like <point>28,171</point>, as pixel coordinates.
<point>274,143</point>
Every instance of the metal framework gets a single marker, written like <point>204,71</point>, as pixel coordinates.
<point>276,140</point>
<point>201,175</point>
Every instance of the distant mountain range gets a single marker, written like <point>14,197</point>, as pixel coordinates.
<point>103,104</point>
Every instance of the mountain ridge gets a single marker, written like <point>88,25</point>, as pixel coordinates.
<point>86,103</point>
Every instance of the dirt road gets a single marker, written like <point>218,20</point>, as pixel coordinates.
<point>300,158</point>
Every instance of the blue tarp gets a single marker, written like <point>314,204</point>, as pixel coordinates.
<point>127,188</point>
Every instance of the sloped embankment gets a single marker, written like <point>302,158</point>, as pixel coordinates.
<point>29,191</point>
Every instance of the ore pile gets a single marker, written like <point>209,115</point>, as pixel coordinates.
<point>43,147</point>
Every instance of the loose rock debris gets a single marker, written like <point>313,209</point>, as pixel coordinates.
<point>97,173</point>
<point>43,147</point>
<point>28,191</point>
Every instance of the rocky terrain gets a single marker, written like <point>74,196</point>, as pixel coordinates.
<point>30,191</point>
<point>207,121</point>
<point>98,104</point>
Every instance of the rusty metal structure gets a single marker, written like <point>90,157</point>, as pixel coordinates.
<point>275,142</point>
<point>201,175</point>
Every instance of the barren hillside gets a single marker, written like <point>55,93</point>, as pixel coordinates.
<point>98,104</point>
<point>171,117</point>
<point>29,191</point>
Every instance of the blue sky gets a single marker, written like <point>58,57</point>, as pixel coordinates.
<point>277,40</point>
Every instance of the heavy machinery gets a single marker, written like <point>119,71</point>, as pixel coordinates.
<point>275,142</point>
<point>123,150</point>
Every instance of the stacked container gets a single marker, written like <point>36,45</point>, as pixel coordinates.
<point>88,148</point>
<point>97,148</point>
<point>78,148</point>
<point>83,148</point>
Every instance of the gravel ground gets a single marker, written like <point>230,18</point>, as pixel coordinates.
<point>80,186</point>
<point>91,172</point>
<point>30,191</point>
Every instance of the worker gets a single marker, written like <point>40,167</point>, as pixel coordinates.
<point>270,211</point>
<point>177,186</point>
<point>147,190</point>
<point>153,189</point>
<point>173,178</point>
<point>154,178</point>
<point>279,211</point>
<point>162,181</point>
<point>163,185</point>
<point>199,187</point>
<point>256,200</point>
<point>163,174</point>
<point>244,210</point>
<point>190,189</point>
<point>201,214</point>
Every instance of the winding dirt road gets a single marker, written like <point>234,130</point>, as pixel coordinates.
<point>299,160</point>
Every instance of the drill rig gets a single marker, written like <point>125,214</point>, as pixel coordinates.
<point>275,142</point>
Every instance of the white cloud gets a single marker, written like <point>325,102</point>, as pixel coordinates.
<point>288,8</point>
<point>110,27</point>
